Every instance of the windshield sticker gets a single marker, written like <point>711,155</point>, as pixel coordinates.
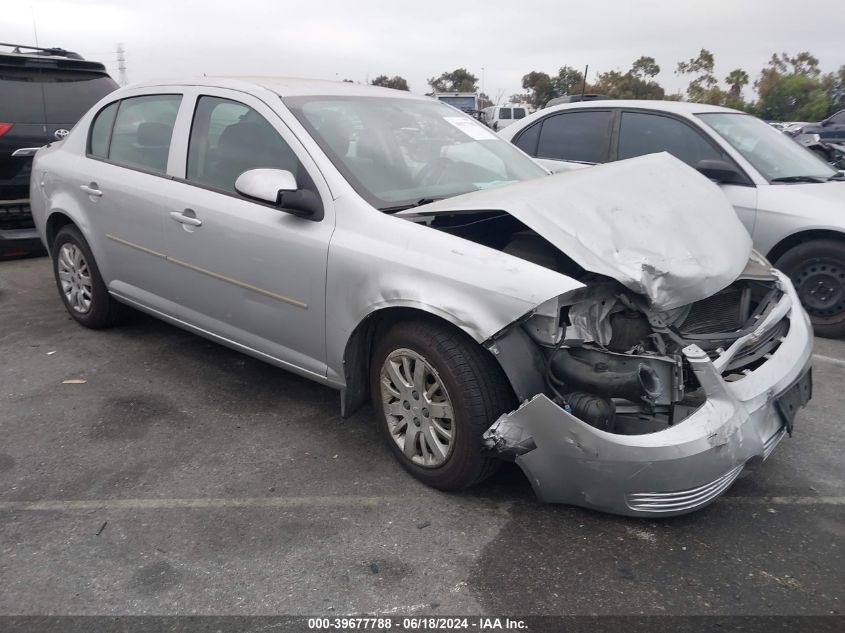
<point>470,128</point>
<point>492,183</point>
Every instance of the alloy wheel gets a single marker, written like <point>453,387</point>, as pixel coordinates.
<point>75,277</point>
<point>417,407</point>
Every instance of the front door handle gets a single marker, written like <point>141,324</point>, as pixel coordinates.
<point>91,189</point>
<point>186,217</point>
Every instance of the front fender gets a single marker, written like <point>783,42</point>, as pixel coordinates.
<point>378,261</point>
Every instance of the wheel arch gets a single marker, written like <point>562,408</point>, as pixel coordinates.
<point>790,241</point>
<point>359,345</point>
<point>54,224</point>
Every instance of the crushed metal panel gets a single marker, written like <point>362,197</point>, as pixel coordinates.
<point>652,223</point>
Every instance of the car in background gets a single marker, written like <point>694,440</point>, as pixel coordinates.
<point>792,203</point>
<point>43,93</point>
<point>589,96</point>
<point>499,117</point>
<point>831,129</point>
<point>825,139</point>
<point>632,355</point>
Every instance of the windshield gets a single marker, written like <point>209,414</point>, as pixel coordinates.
<point>775,155</point>
<point>398,153</point>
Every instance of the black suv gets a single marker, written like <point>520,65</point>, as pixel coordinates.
<point>43,93</point>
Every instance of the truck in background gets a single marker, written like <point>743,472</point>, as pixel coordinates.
<point>465,101</point>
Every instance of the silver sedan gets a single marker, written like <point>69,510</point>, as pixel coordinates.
<point>611,330</point>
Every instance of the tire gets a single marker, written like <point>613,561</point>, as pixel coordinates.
<point>817,269</point>
<point>471,380</point>
<point>90,303</point>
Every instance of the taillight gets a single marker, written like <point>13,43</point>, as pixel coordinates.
<point>5,127</point>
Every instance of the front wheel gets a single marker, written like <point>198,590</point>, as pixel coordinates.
<point>435,392</point>
<point>817,269</point>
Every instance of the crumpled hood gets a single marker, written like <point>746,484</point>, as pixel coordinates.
<point>652,223</point>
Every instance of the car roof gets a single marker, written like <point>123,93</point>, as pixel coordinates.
<point>286,86</point>
<point>675,107</point>
<point>52,62</point>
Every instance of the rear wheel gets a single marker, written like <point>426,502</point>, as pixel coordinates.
<point>435,392</point>
<point>78,279</point>
<point>817,270</point>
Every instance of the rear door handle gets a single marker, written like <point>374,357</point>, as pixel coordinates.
<point>186,217</point>
<point>91,189</point>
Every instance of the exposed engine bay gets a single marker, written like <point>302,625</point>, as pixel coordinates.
<point>602,352</point>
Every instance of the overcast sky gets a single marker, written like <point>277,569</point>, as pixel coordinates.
<point>360,39</point>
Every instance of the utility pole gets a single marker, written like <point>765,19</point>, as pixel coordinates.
<point>584,81</point>
<point>121,65</point>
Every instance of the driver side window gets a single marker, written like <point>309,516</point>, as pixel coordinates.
<point>229,138</point>
<point>643,133</point>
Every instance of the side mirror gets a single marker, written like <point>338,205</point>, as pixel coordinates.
<point>718,170</point>
<point>278,187</point>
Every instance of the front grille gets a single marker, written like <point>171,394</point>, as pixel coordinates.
<point>719,313</point>
<point>16,215</point>
<point>755,352</point>
<point>682,500</point>
<point>716,322</point>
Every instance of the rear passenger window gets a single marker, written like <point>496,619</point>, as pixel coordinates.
<point>229,138</point>
<point>142,131</point>
<point>101,131</point>
<point>519,113</point>
<point>578,136</point>
<point>649,133</point>
<point>527,141</point>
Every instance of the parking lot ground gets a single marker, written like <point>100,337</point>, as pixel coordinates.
<point>185,478</point>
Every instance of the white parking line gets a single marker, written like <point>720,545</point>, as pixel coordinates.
<point>829,359</point>
<point>166,504</point>
<point>788,501</point>
<point>316,502</point>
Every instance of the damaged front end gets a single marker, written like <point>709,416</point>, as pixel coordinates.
<point>639,411</point>
<point>681,358</point>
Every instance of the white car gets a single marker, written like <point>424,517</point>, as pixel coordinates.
<point>500,117</point>
<point>792,203</point>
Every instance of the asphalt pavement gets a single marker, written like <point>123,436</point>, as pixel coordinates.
<point>185,478</point>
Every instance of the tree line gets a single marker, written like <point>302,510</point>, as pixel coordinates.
<point>789,88</point>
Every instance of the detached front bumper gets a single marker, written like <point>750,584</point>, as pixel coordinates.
<point>681,468</point>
